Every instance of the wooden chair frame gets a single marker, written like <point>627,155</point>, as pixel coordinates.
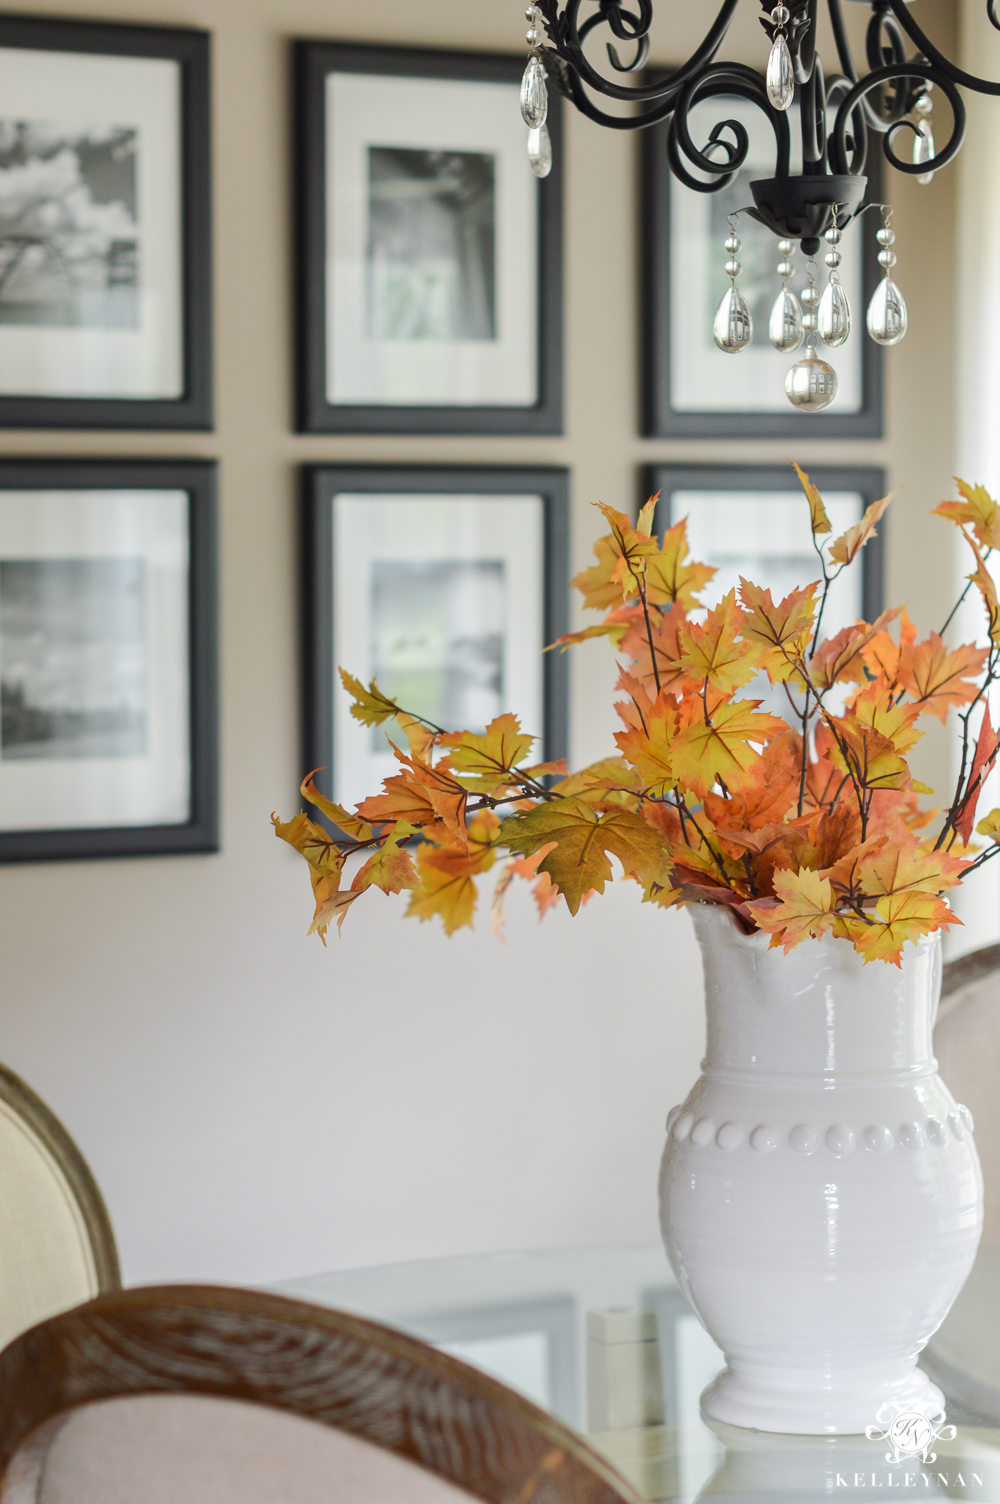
<point>330,1367</point>
<point>47,1128</point>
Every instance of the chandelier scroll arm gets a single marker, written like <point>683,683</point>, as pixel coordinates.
<point>567,38</point>
<point>941,63</point>
<point>726,79</point>
<point>873,120</point>
<point>893,74</point>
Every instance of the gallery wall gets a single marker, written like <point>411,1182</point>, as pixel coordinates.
<point>256,1107</point>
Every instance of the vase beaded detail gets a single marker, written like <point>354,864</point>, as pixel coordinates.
<point>821,1197</point>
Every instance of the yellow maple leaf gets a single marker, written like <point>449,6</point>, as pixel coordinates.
<point>671,577</point>
<point>978,508</point>
<point>621,556</point>
<point>351,825</point>
<point>805,906</point>
<point>390,868</point>
<point>446,887</point>
<point>371,707</point>
<point>648,747</point>
<point>578,860</point>
<point>483,764</point>
<point>713,650</point>
<point>989,825</point>
<point>701,752</point>
<point>899,917</point>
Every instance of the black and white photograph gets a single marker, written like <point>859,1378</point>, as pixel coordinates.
<point>692,388</point>
<point>104,226</point>
<point>429,252</point>
<point>445,585</point>
<point>69,234</point>
<point>432,251</point>
<point>107,673</point>
<point>438,638</point>
<point>73,658</point>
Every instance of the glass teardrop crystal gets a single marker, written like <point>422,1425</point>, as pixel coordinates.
<point>887,313</point>
<point>780,75</point>
<point>732,326</point>
<point>540,151</point>
<point>534,95</point>
<point>834,315</point>
<point>923,149</point>
<point>811,384</point>
<point>784,327</point>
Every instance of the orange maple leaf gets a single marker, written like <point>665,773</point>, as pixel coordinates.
<point>983,581</point>
<point>987,746</point>
<point>847,547</point>
<point>936,678</point>
<point>767,795</point>
<point>818,519</point>
<point>882,654</point>
<point>784,628</point>
<point>665,651</point>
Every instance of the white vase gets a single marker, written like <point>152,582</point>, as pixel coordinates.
<point>820,1194</point>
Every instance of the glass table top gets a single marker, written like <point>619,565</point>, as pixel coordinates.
<point>603,1338</point>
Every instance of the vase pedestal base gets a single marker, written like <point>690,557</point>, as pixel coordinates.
<point>788,1401</point>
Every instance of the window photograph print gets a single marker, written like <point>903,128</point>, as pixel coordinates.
<point>444,585</point>
<point>692,387</point>
<point>429,255</point>
<point>107,698</point>
<point>104,221</point>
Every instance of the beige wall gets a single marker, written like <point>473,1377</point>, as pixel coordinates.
<point>253,1106</point>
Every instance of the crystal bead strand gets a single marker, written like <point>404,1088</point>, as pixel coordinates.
<point>780,76</point>
<point>811,384</point>
<point>923,143</point>
<point>732,327</point>
<point>784,327</point>
<point>887,309</point>
<point>834,316</point>
<point>535,98</point>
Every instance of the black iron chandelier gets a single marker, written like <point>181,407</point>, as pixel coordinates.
<point>840,119</point>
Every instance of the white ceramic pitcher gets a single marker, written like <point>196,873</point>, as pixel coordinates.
<point>820,1194</point>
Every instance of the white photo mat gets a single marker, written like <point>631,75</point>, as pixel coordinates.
<point>84,89</point>
<point>504,534</point>
<point>437,115</point>
<point>703,379</point>
<point>88,792</point>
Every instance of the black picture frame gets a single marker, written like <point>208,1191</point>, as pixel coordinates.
<point>659,418</point>
<point>190,49</point>
<point>867,480</point>
<point>321,484</point>
<point>314,61</point>
<point>200,833</point>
